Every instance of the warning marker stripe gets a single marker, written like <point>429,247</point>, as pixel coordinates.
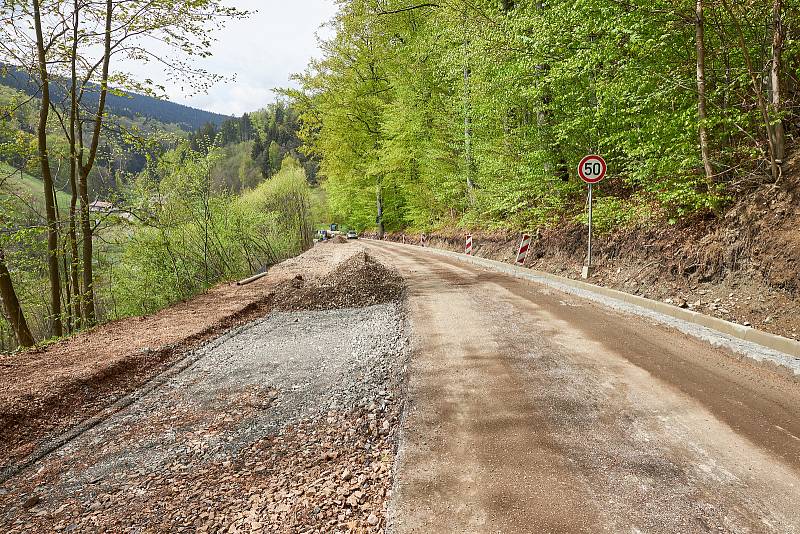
<point>524,245</point>
<point>468,246</point>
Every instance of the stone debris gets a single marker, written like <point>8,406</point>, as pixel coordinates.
<point>289,482</point>
<point>289,426</point>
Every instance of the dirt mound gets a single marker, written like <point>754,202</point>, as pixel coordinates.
<point>337,239</point>
<point>358,281</point>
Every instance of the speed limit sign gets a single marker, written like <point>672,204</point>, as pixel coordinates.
<point>592,169</point>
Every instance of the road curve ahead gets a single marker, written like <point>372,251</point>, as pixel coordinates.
<point>535,411</point>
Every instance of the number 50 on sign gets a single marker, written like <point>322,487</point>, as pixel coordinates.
<point>592,169</point>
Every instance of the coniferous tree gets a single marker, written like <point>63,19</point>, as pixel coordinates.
<point>245,128</point>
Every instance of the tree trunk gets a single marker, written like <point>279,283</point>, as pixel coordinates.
<point>701,92</point>
<point>543,122</point>
<point>468,160</point>
<point>87,296</point>
<point>71,319</point>
<point>762,105</point>
<point>89,314</point>
<point>65,292</point>
<point>73,176</point>
<point>47,177</point>
<point>778,134</point>
<point>12,307</point>
<point>379,202</point>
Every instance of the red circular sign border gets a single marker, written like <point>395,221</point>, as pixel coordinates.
<point>587,158</point>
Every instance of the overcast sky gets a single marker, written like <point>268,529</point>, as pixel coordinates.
<point>262,51</point>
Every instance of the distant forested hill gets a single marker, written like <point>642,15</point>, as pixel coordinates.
<point>129,105</point>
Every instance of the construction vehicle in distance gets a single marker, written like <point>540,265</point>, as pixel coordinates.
<point>324,234</point>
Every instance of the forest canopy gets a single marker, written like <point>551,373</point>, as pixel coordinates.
<point>477,113</point>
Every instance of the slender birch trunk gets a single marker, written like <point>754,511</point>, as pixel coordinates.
<point>47,177</point>
<point>778,133</point>
<point>760,100</point>
<point>702,114</point>
<point>89,313</point>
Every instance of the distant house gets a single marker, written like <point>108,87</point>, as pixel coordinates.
<point>99,206</point>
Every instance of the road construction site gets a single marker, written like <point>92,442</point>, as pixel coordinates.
<point>376,387</point>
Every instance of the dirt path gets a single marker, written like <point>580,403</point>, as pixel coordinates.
<point>535,411</point>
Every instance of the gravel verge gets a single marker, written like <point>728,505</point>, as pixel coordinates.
<point>47,390</point>
<point>288,426</point>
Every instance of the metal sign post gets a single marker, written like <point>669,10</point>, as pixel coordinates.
<point>591,169</point>
<point>588,266</point>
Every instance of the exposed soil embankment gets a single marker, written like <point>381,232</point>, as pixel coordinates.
<point>742,266</point>
<point>45,391</point>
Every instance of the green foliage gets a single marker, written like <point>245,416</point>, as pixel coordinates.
<point>269,135</point>
<point>18,183</point>
<point>124,148</point>
<point>610,213</point>
<point>236,170</point>
<point>67,68</point>
<point>410,103</point>
<point>22,242</point>
<point>196,236</point>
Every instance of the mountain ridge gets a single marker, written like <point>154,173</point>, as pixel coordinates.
<point>129,104</point>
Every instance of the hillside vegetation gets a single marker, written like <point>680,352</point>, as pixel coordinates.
<point>193,236</point>
<point>476,114</point>
<point>255,146</point>
<point>125,145</point>
<point>245,204</point>
<point>28,188</point>
<point>172,218</point>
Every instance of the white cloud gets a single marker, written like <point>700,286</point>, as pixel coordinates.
<point>261,51</point>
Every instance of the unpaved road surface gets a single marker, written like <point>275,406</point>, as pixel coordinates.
<point>455,400</point>
<point>534,411</point>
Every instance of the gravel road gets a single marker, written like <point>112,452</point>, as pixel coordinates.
<point>532,410</point>
<point>288,425</point>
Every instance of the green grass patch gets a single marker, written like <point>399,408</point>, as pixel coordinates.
<point>29,187</point>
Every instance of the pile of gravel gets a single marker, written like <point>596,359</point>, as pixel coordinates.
<point>357,282</point>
